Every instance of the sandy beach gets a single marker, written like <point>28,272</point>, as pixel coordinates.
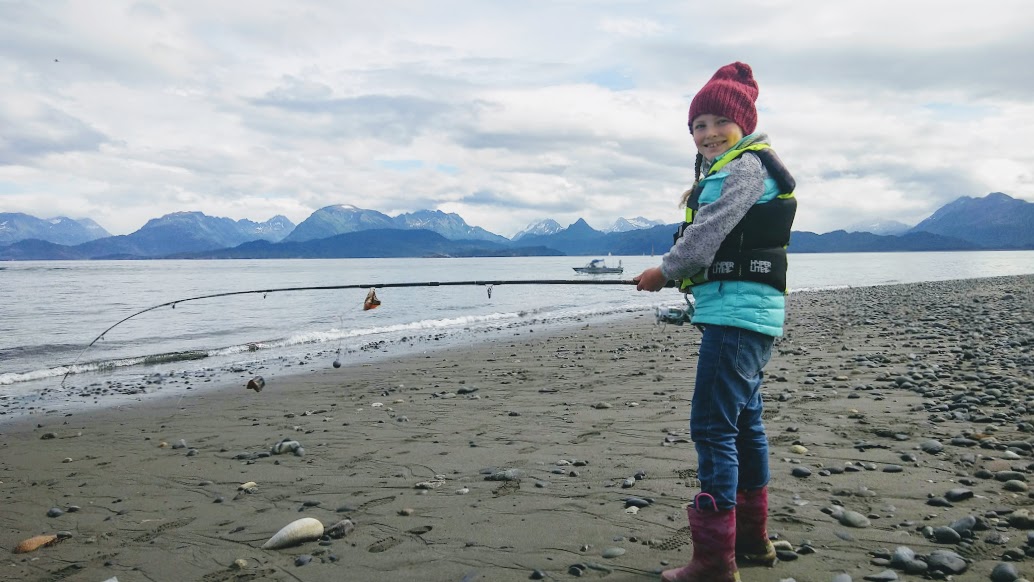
<point>899,419</point>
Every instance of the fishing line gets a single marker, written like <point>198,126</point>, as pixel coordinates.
<point>337,360</point>
<point>370,286</point>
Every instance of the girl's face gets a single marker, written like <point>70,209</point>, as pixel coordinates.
<point>714,134</point>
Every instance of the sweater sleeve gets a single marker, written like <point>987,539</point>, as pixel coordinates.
<point>695,250</point>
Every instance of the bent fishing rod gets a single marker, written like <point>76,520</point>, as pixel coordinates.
<point>370,286</point>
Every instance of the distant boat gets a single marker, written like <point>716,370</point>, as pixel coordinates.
<point>599,267</point>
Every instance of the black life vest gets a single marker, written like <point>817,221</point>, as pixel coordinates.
<point>755,250</point>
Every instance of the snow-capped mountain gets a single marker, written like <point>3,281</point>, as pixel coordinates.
<point>94,230</point>
<point>274,229</point>
<point>449,225</point>
<point>543,227</point>
<point>627,224</point>
<point>881,227</point>
<point>338,219</point>
<point>345,218</point>
<point>16,226</point>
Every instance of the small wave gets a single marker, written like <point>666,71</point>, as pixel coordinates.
<point>311,337</point>
<point>14,378</point>
<point>101,365</point>
<point>174,357</point>
<point>334,335</point>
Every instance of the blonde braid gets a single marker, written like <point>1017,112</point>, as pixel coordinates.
<point>696,179</point>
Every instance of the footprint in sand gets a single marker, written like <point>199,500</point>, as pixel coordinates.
<point>158,530</point>
<point>383,545</point>
<point>375,503</point>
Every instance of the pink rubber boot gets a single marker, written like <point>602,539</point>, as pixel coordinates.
<point>752,543</point>
<point>714,547</point>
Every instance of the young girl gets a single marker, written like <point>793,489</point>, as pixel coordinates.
<point>731,254</point>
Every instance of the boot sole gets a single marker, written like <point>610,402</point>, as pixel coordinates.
<point>757,559</point>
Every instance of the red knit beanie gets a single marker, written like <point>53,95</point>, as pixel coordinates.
<point>731,93</point>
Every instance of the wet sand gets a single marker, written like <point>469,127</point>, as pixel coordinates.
<point>894,413</point>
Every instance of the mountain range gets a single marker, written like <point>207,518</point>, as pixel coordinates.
<point>996,221</point>
<point>15,226</point>
<point>345,218</point>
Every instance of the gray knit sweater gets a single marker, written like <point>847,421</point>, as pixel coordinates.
<point>742,188</point>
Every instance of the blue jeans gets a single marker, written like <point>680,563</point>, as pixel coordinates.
<point>725,421</point>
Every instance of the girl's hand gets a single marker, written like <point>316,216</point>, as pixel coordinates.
<point>650,280</point>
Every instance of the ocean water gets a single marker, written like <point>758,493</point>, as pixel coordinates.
<point>51,311</point>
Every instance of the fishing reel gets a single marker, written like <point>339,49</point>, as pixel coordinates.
<point>675,315</point>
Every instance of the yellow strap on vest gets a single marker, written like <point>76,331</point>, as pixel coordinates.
<point>726,158</point>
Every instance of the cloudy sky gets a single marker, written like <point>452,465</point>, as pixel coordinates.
<point>503,112</point>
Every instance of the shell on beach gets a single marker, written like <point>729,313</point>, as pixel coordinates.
<point>299,531</point>
<point>36,542</point>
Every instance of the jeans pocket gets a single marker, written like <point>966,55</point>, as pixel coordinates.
<point>752,353</point>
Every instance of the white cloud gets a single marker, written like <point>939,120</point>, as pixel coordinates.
<point>631,27</point>
<point>502,112</point>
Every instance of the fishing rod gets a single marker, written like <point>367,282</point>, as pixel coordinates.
<point>371,299</point>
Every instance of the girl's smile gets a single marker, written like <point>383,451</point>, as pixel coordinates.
<point>714,135</point>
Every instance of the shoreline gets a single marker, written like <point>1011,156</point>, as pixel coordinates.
<point>128,389</point>
<point>510,456</point>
